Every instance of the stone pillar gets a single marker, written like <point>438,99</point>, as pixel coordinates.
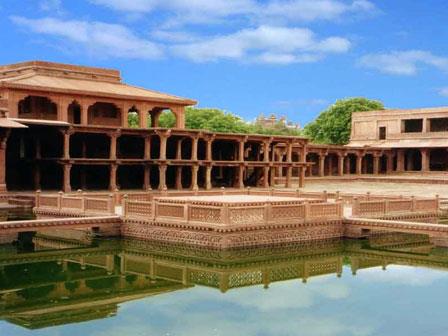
<point>67,185</point>
<point>400,160</point>
<point>390,163</point>
<point>302,177</point>
<point>266,146</point>
<point>66,154</point>
<point>376,164</point>
<point>163,140</point>
<point>241,151</point>
<point>208,177</point>
<point>194,177</point>
<point>359,164</point>
<point>194,148</point>
<point>147,177</point>
<point>241,176</point>
<point>113,146</point>
<point>3,142</point>
<point>288,183</point>
<point>84,113</point>
<point>147,154</point>
<point>179,149</point>
<point>179,177</point>
<point>266,177</point>
<point>208,155</point>
<point>289,152</point>
<point>162,177</point>
<point>341,164</point>
<point>62,109</point>
<point>425,160</point>
<point>113,177</point>
<point>322,165</point>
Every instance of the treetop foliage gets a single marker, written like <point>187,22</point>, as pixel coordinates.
<point>333,125</point>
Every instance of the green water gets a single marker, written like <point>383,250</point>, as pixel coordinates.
<point>394,284</point>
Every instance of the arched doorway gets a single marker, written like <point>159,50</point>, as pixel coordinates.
<point>133,118</point>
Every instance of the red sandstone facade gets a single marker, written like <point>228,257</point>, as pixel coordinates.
<point>65,127</point>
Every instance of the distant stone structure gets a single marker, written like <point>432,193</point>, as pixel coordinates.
<point>272,121</point>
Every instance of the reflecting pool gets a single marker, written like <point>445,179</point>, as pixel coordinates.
<point>392,284</point>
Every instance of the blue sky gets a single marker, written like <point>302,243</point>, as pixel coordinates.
<point>289,57</point>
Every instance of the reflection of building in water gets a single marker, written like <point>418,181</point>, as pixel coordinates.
<point>76,282</point>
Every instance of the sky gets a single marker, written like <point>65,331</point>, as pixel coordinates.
<point>292,58</point>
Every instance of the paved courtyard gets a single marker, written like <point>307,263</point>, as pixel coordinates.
<point>384,188</point>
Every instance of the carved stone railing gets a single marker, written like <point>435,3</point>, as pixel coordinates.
<point>79,205</point>
<point>230,214</point>
<point>395,206</point>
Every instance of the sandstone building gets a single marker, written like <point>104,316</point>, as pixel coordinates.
<point>65,127</point>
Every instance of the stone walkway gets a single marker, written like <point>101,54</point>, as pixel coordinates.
<point>383,188</point>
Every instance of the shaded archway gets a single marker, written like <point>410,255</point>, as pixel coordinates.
<point>438,159</point>
<point>37,107</point>
<point>413,160</point>
<point>104,114</point>
<point>367,164</point>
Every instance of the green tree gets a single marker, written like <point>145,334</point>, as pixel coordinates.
<point>167,119</point>
<point>333,125</point>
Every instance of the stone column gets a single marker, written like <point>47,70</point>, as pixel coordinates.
<point>147,153</point>
<point>62,109</point>
<point>163,140</point>
<point>266,177</point>
<point>208,156</point>
<point>241,151</point>
<point>208,177</point>
<point>147,177</point>
<point>322,165</point>
<point>162,177</point>
<point>376,164</point>
<point>3,142</point>
<point>84,113</point>
<point>341,164</point>
<point>400,160</point>
<point>266,146</point>
<point>194,148</point>
<point>425,160</point>
<point>359,164</point>
<point>179,149</point>
<point>67,185</point>
<point>288,183</point>
<point>289,152</point>
<point>302,171</point>
<point>241,176</point>
<point>194,177</point>
<point>113,146</point>
<point>66,154</point>
<point>179,177</point>
<point>113,177</point>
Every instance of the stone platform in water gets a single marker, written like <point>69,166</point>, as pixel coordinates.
<point>226,221</point>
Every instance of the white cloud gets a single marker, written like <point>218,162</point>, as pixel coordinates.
<point>267,44</point>
<point>54,6</point>
<point>402,276</point>
<point>443,92</point>
<point>204,11</point>
<point>102,39</point>
<point>403,62</point>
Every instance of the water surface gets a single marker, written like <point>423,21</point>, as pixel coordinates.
<point>388,285</point>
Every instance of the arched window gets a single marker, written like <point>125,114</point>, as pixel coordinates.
<point>133,118</point>
<point>74,113</point>
<point>37,107</point>
<point>105,114</point>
